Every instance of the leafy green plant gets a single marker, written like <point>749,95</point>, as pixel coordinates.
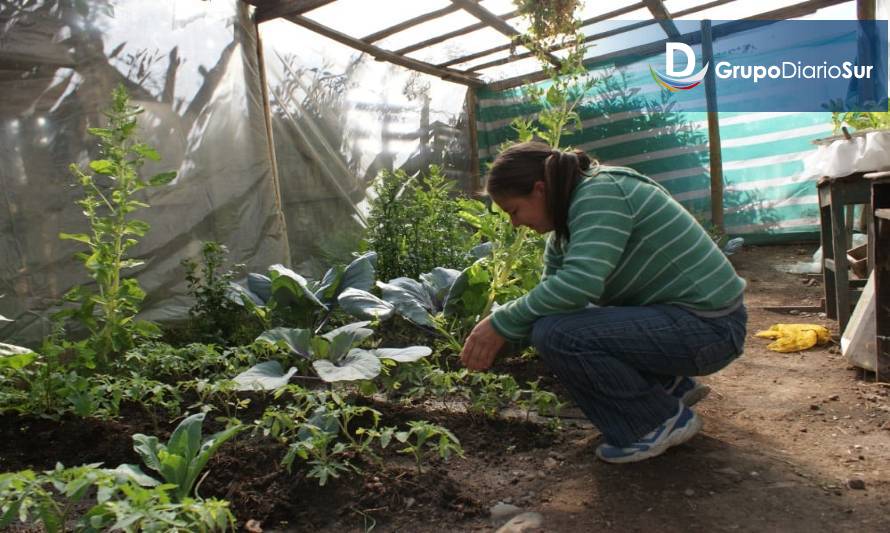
<point>860,120</point>
<point>110,196</point>
<point>214,316</point>
<point>509,270</point>
<point>195,360</point>
<point>285,297</point>
<point>541,401</point>
<point>181,460</point>
<point>413,225</point>
<point>423,437</point>
<point>320,439</point>
<point>12,356</point>
<point>125,500</point>
<point>333,355</point>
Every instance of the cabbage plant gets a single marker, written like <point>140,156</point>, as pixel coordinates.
<point>296,300</point>
<point>333,355</point>
<point>12,356</point>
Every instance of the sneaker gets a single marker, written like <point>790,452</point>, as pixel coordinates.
<point>687,390</point>
<point>673,431</point>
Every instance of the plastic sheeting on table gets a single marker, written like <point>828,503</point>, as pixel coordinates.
<point>193,66</point>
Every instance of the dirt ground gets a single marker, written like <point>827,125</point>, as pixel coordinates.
<point>791,442</point>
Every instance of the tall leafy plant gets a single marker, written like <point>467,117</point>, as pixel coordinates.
<point>413,225</point>
<point>110,186</point>
<point>513,265</point>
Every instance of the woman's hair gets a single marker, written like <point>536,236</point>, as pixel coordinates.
<point>516,170</point>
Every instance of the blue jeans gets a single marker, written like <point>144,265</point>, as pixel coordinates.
<point>615,361</point>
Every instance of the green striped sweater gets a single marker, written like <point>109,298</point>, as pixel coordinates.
<point>630,244</point>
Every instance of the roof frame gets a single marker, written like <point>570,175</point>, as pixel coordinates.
<point>294,10</point>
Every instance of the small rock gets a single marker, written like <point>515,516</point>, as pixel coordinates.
<point>689,492</point>
<point>856,484</point>
<point>822,315</point>
<point>754,473</point>
<point>525,522</point>
<point>834,397</point>
<point>803,430</point>
<point>814,407</point>
<point>503,511</point>
<point>794,312</point>
<point>253,526</point>
<point>550,463</point>
<point>409,501</point>
<point>727,471</point>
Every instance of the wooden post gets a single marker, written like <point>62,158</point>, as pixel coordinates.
<point>714,149</point>
<point>865,10</point>
<point>475,179</point>
<point>267,115</point>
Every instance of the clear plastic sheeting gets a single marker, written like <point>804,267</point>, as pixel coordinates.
<point>193,66</point>
<point>340,118</point>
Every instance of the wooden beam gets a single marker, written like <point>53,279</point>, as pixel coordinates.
<point>702,7</point>
<point>287,7</point>
<point>498,24</point>
<point>729,28</point>
<point>384,55</point>
<point>663,16</point>
<point>267,116</point>
<point>475,181</point>
<point>714,148</point>
<point>796,10</point>
<point>386,32</point>
<point>587,22</point>
<point>865,9</point>
<point>589,38</point>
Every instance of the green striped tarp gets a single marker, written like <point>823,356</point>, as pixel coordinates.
<point>628,120</point>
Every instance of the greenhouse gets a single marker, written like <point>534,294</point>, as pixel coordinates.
<point>444,265</point>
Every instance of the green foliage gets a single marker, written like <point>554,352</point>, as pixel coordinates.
<point>334,356</point>
<point>181,460</point>
<point>512,267</point>
<point>548,18</point>
<point>196,360</point>
<point>123,499</point>
<point>285,297</point>
<point>328,440</point>
<point>110,196</point>
<point>215,317</point>
<point>860,120</point>
<point>423,437</point>
<point>543,402</point>
<point>413,225</point>
<point>553,26</point>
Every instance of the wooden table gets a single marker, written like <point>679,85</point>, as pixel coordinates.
<point>835,194</point>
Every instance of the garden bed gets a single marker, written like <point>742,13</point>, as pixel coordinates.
<point>786,438</point>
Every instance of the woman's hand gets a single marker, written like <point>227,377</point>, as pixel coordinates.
<point>481,346</point>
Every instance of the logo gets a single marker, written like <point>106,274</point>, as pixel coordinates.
<point>675,80</point>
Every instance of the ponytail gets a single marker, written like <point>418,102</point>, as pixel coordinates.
<point>516,170</point>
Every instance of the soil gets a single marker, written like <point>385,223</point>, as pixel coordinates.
<point>792,442</point>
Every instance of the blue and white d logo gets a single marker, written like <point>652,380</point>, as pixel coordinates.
<point>678,80</point>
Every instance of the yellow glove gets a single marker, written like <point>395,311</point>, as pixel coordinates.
<point>794,337</point>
